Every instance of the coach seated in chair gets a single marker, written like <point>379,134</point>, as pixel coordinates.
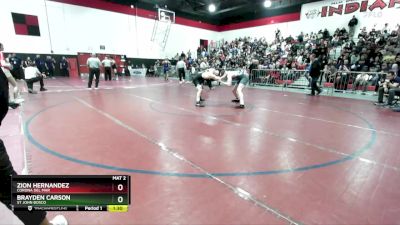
<point>390,87</point>
<point>32,75</point>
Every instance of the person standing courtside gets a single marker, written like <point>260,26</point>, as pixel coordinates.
<point>5,69</point>
<point>114,66</point>
<point>40,64</point>
<point>64,67</point>
<point>16,71</point>
<point>93,64</point>
<point>315,71</point>
<point>50,65</point>
<point>180,66</point>
<point>166,65</point>
<point>107,63</point>
<point>18,74</point>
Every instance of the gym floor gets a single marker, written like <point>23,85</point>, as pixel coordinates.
<point>287,158</point>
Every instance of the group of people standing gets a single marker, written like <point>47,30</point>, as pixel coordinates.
<point>46,66</point>
<point>27,72</point>
<point>94,64</point>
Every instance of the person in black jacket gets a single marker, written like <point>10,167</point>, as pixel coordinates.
<point>315,72</point>
<point>64,67</point>
<point>352,26</point>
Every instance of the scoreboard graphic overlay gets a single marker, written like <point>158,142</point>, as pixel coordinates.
<point>71,193</point>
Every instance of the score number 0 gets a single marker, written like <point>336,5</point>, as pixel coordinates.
<point>120,187</point>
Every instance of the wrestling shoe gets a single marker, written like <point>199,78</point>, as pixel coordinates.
<point>198,104</point>
<point>59,220</point>
<point>236,100</point>
<point>13,105</point>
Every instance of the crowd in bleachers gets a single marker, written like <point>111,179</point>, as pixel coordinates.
<point>343,54</point>
<point>375,50</point>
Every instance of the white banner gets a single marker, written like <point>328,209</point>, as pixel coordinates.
<point>141,72</point>
<point>334,14</point>
<point>338,8</point>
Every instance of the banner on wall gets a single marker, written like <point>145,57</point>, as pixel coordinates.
<point>25,24</point>
<point>339,8</point>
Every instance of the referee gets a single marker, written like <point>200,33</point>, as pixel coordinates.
<point>180,66</point>
<point>93,64</point>
<point>107,68</point>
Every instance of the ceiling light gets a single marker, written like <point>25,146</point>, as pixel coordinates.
<point>212,8</point>
<point>132,6</point>
<point>267,3</point>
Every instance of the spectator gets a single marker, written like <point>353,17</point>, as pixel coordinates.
<point>183,56</point>
<point>326,34</point>
<point>390,87</point>
<point>64,67</point>
<point>329,73</point>
<point>277,34</point>
<point>343,76</point>
<point>27,62</point>
<point>127,73</point>
<point>16,65</point>
<point>156,66</point>
<point>7,78</point>
<point>40,64</point>
<point>362,80</point>
<point>199,52</point>
<point>395,69</point>
<point>300,38</point>
<point>354,58</point>
<point>18,73</point>
<point>114,67</point>
<point>50,65</point>
<point>166,67</point>
<point>378,79</point>
<point>204,65</point>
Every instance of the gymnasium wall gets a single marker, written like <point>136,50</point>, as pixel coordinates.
<point>267,31</point>
<point>22,43</point>
<point>68,29</point>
